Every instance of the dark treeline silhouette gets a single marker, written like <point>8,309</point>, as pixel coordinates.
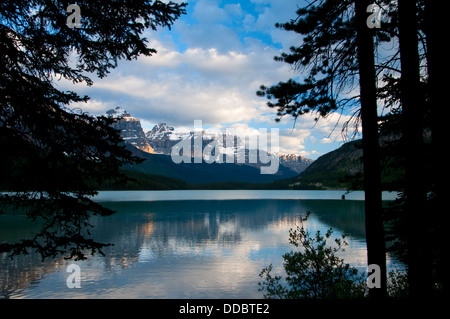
<point>53,159</point>
<point>342,52</point>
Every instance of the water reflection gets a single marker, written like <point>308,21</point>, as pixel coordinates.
<point>177,228</point>
<point>186,249</point>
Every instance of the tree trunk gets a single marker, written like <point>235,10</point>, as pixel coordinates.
<point>438,69</point>
<point>376,251</point>
<point>413,105</point>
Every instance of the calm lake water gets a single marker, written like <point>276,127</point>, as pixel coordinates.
<point>187,244</point>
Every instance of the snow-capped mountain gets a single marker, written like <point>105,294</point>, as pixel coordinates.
<point>118,112</point>
<point>163,137</point>
<point>160,130</point>
<point>130,129</point>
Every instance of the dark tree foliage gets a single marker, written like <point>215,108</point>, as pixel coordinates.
<point>411,141</point>
<point>52,158</point>
<point>327,63</point>
<point>413,103</point>
<point>408,56</point>
<point>438,69</point>
<point>326,56</point>
<point>336,57</point>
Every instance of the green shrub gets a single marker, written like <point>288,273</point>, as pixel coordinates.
<point>314,271</point>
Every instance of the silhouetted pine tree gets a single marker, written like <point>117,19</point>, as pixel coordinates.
<point>53,158</point>
<point>337,56</point>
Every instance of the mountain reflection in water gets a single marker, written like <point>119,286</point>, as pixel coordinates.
<point>185,248</point>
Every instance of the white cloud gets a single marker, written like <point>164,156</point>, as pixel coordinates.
<point>195,84</point>
<point>209,68</point>
<point>293,140</point>
<point>135,86</point>
<point>326,140</point>
<point>165,58</point>
<point>92,106</point>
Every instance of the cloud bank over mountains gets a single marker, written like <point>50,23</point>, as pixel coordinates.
<point>209,67</point>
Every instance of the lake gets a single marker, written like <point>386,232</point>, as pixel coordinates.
<point>187,244</point>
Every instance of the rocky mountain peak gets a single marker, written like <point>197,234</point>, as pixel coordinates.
<point>295,162</point>
<point>118,112</point>
<point>162,137</point>
<point>160,130</point>
<point>130,129</point>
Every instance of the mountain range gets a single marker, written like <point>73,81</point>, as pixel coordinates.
<point>342,168</point>
<point>155,147</point>
<point>162,138</point>
<point>338,169</point>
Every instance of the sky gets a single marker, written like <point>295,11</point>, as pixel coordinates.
<point>208,67</point>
